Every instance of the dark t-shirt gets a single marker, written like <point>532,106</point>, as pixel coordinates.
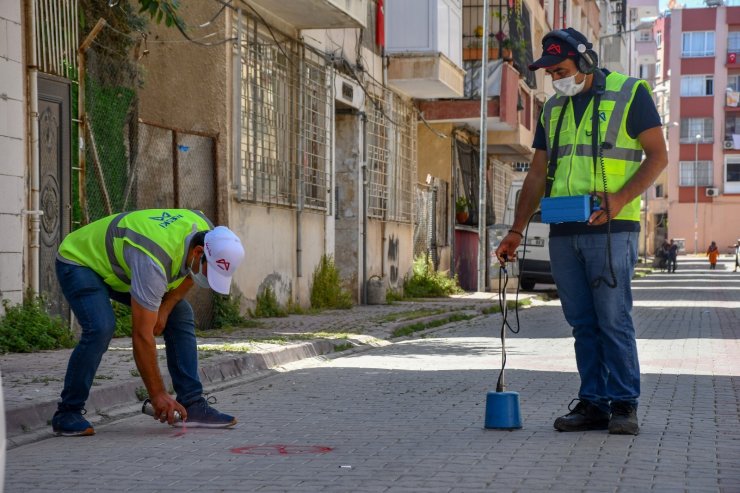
<point>642,115</point>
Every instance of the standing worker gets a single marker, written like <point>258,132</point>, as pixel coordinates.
<point>589,141</point>
<point>147,259</point>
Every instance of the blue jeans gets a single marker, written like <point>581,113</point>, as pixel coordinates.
<point>89,297</point>
<point>605,345</point>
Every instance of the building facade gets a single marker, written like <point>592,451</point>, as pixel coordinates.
<point>703,185</point>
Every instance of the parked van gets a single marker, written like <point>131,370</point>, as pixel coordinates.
<point>534,256</point>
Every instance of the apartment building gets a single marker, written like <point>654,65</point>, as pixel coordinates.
<point>700,67</point>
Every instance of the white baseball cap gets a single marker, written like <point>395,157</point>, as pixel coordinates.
<point>224,253</point>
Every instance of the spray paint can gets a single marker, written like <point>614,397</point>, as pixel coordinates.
<point>148,408</point>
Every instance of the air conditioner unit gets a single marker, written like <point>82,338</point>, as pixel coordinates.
<point>348,93</point>
<point>712,192</point>
<point>728,144</point>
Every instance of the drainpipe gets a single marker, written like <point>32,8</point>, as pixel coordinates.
<point>34,214</point>
<point>363,116</point>
<point>299,208</point>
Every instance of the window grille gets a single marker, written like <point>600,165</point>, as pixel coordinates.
<point>391,157</point>
<point>286,108</point>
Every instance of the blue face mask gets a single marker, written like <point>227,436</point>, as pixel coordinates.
<point>199,278</point>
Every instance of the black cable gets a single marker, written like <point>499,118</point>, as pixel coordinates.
<point>500,384</point>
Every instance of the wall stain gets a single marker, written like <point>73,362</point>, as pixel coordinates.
<point>393,249</point>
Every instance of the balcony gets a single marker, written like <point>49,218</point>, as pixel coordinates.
<point>423,43</point>
<point>317,14</point>
<point>511,113</point>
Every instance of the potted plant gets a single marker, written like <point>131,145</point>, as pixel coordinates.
<point>461,209</point>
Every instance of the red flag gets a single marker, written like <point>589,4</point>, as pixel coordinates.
<point>380,24</point>
<point>731,58</point>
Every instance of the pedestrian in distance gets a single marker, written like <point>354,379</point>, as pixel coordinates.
<point>662,255</point>
<point>590,140</point>
<point>147,259</point>
<point>672,256</point>
<point>713,254</point>
<point>737,255</point>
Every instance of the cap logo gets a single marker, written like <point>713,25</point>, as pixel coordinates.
<point>554,49</point>
<point>223,264</point>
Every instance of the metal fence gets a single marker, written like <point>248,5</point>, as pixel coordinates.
<point>56,36</point>
<point>129,164</point>
<point>285,125</point>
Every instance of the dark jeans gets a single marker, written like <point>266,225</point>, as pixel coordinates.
<point>605,345</point>
<point>89,297</point>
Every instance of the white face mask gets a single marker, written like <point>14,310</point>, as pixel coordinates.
<point>199,278</point>
<point>567,86</point>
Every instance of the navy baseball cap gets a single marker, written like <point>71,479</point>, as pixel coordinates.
<point>556,49</point>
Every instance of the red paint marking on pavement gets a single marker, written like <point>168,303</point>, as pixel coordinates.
<point>279,449</point>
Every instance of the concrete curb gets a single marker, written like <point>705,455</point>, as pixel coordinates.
<point>29,423</point>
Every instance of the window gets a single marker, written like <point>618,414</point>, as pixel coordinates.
<point>701,169</point>
<point>733,82</point>
<point>691,127</point>
<point>658,69</point>
<point>391,157</point>
<point>732,125</point>
<point>659,39</point>
<point>732,174</point>
<point>697,85</point>
<point>659,191</point>
<point>699,43</point>
<point>733,42</point>
<point>645,35</point>
<point>285,135</point>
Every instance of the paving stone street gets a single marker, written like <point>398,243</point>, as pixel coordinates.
<point>407,415</point>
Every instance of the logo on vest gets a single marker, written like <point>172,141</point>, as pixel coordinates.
<point>602,117</point>
<point>166,219</point>
<point>223,264</point>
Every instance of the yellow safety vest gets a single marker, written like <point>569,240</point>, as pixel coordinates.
<point>159,233</point>
<point>620,154</point>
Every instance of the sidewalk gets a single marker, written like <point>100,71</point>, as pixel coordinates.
<point>32,382</point>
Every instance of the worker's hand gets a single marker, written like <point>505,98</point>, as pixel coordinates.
<point>165,407</point>
<point>507,248</point>
<point>162,315</point>
<point>599,217</point>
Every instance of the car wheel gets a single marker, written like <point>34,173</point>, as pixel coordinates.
<point>527,284</point>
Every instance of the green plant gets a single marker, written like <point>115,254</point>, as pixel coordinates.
<point>410,329</point>
<point>393,295</point>
<point>227,311</point>
<point>27,327</point>
<point>123,319</point>
<point>462,204</point>
<point>425,281</point>
<point>267,305</point>
<point>141,393</point>
<point>326,288</point>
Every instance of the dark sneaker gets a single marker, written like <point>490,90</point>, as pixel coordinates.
<point>202,415</point>
<point>624,419</point>
<point>68,423</point>
<point>585,416</point>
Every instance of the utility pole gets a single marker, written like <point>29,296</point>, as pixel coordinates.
<point>483,142</point>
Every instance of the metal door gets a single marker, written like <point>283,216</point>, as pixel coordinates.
<point>54,183</point>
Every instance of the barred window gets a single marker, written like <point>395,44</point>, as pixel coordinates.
<point>285,125</point>
<point>391,157</point>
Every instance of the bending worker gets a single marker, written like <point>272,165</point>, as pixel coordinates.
<point>590,140</point>
<point>147,259</point>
